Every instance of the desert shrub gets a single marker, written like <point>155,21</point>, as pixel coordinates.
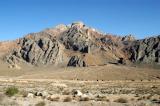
<point>11,91</point>
<point>42,103</point>
<point>141,98</point>
<point>149,96</point>
<point>60,89</point>
<point>121,100</point>
<point>153,86</point>
<point>155,100</point>
<point>137,95</point>
<point>103,99</point>
<point>76,98</point>
<point>141,104</point>
<point>84,99</point>
<point>67,99</point>
<point>132,99</point>
<point>54,99</point>
<point>66,92</point>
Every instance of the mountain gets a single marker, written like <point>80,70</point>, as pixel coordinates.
<point>79,46</point>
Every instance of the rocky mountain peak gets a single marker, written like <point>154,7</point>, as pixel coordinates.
<point>78,24</point>
<point>79,45</point>
<point>128,38</point>
<point>61,27</point>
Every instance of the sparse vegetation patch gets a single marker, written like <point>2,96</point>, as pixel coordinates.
<point>121,100</point>
<point>11,91</point>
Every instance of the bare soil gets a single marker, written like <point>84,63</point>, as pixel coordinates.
<point>107,85</point>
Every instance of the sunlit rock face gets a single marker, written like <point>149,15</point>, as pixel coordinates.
<point>80,46</point>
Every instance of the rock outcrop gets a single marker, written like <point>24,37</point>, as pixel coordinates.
<point>77,38</point>
<point>77,61</point>
<point>146,50</point>
<point>41,49</point>
<point>128,38</point>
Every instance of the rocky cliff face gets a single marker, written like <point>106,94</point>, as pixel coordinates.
<point>38,48</point>
<point>146,50</point>
<point>76,38</point>
<point>80,46</point>
<point>79,38</point>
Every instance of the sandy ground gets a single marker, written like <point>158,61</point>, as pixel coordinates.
<point>139,86</point>
<point>106,72</point>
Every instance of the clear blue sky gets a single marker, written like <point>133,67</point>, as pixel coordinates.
<point>138,17</point>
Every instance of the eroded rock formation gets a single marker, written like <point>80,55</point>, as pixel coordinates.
<point>146,50</point>
<point>80,46</point>
<point>77,61</point>
<point>37,50</point>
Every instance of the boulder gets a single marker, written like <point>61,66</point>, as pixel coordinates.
<point>30,95</point>
<point>43,94</point>
<point>38,94</point>
<point>77,93</point>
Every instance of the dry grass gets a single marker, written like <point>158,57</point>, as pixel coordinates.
<point>121,100</point>
<point>102,98</point>
<point>132,99</point>
<point>141,104</point>
<point>149,96</point>
<point>1,97</point>
<point>54,99</point>
<point>66,92</point>
<point>42,103</point>
<point>84,99</point>
<point>24,93</point>
<point>67,99</point>
<point>112,91</point>
<point>9,103</point>
<point>141,98</point>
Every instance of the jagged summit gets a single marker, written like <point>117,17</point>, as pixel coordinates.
<point>79,45</point>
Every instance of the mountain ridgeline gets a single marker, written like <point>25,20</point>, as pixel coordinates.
<point>80,46</point>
